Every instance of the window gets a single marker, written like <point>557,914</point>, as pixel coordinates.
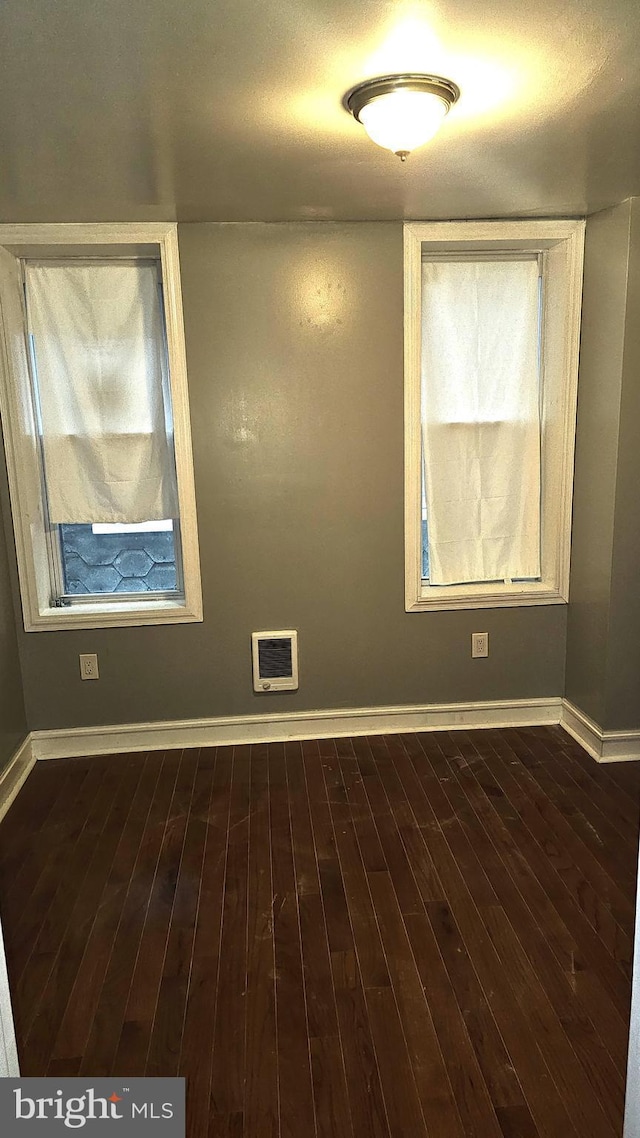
<point>492,313</point>
<point>94,408</point>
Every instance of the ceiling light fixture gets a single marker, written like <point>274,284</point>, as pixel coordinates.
<point>401,112</point>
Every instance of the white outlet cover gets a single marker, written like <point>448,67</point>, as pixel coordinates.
<point>479,645</point>
<point>89,666</point>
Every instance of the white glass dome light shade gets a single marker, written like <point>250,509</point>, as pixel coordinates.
<point>402,120</point>
<point>401,112</point>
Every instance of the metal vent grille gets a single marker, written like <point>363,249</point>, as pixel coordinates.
<point>274,658</point>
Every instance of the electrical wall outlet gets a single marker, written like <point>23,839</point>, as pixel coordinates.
<point>479,644</point>
<point>89,666</point>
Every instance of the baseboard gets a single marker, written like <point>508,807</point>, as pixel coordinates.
<point>331,723</point>
<point>603,746</point>
<point>582,729</point>
<point>15,773</point>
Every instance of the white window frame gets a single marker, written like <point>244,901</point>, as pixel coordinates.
<point>560,244</point>
<point>157,239</point>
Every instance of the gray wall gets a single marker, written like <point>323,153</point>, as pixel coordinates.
<point>13,727</point>
<point>603,653</point>
<point>599,392</point>
<point>294,350</point>
<point>623,660</point>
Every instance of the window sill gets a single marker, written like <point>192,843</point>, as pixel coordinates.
<point>507,597</point>
<point>125,614</point>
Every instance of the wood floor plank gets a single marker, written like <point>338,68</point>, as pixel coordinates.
<point>196,1057</point>
<point>543,1096</point>
<point>106,1025</point>
<point>603,805</point>
<point>394,893</point>
<point>398,1079</point>
<point>555,997</point>
<point>473,1113</point>
<point>42,801</point>
<point>295,1080</point>
<point>79,820</point>
<point>165,1046</point>
<point>372,963</point>
<point>458,842</point>
<point>557,813</point>
<point>226,1103</point>
<point>379,839</point>
<point>399,1091</point>
<point>333,1116</point>
<point>61,941</point>
<point>368,1114</point>
<point>135,1037</point>
<point>353,770</point>
<point>516,1122</point>
<point>578,1093</point>
<point>557,871</point>
<point>479,1068</point>
<point>319,808</point>
<point>460,975</point>
<point>305,856</point>
<point>501,824</point>
<point>619,782</point>
<point>76,1023</point>
<point>261,1104</point>
<point>543,934</point>
<point>330,1094</point>
<point>441,1114</point>
<point>593,830</point>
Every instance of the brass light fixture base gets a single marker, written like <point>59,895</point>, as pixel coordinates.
<point>359,96</point>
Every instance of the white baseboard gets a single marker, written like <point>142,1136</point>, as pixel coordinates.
<point>603,746</point>
<point>15,773</point>
<point>332,723</point>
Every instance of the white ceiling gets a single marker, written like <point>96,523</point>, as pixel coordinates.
<point>230,110</point>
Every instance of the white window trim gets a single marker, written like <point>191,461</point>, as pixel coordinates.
<point>20,437</point>
<point>561,242</point>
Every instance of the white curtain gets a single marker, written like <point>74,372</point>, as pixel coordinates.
<point>481,419</point>
<point>98,346</point>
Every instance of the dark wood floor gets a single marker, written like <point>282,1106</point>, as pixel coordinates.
<point>410,935</point>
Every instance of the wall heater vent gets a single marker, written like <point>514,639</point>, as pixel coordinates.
<point>275,660</point>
